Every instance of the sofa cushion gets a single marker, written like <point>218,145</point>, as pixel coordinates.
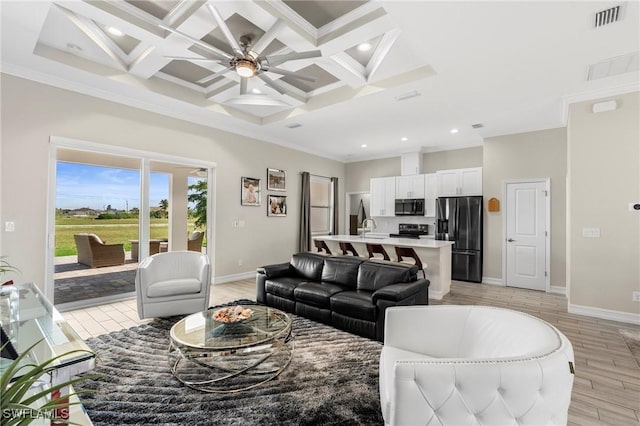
<point>283,286</point>
<point>173,287</point>
<point>356,304</point>
<point>317,294</point>
<point>341,270</point>
<point>375,275</point>
<point>307,265</point>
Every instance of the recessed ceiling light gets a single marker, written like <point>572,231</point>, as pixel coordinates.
<point>404,139</point>
<point>453,131</point>
<point>256,91</point>
<point>364,145</point>
<point>114,31</point>
<point>364,47</point>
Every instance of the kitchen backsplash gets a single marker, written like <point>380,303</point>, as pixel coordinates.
<point>389,225</point>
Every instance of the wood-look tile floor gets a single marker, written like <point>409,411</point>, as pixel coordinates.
<point>606,389</point>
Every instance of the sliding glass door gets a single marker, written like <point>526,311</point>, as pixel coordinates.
<point>109,209</point>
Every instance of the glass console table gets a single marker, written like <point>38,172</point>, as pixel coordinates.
<point>31,319</point>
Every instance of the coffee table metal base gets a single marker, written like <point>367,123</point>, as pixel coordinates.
<point>232,370</point>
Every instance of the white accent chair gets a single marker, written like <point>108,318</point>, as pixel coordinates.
<point>173,283</point>
<point>473,365</point>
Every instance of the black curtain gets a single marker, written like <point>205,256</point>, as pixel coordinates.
<point>334,187</point>
<point>305,213</point>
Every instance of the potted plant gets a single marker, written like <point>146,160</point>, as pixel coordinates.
<point>6,267</point>
<point>23,390</point>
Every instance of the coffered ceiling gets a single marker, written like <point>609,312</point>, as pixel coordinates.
<point>429,67</point>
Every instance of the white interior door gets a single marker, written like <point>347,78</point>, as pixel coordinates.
<point>526,234</point>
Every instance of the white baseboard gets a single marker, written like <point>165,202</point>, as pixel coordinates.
<point>558,290</point>
<point>607,314</point>
<point>234,277</point>
<point>492,281</point>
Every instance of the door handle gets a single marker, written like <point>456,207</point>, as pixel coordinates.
<point>510,240</point>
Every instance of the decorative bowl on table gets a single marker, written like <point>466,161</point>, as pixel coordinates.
<point>232,314</point>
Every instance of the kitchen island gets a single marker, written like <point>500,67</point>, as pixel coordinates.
<point>434,254</point>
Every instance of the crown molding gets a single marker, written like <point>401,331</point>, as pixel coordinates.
<point>595,94</point>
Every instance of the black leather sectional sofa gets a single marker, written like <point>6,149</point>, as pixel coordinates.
<point>346,292</point>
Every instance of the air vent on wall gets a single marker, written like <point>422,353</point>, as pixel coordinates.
<point>407,95</point>
<point>608,16</point>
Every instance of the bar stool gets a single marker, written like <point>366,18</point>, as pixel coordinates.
<point>377,248</point>
<point>321,245</point>
<point>348,248</point>
<point>409,252</point>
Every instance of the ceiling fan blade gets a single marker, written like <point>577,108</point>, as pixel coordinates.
<point>275,86</point>
<point>291,74</point>
<point>267,37</point>
<point>243,85</point>
<point>216,52</point>
<point>279,59</point>
<point>212,76</point>
<point>225,29</point>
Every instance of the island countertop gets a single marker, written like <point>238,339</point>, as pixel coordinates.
<point>434,254</point>
<point>406,242</point>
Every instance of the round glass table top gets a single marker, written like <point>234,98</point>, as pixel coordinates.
<point>201,331</point>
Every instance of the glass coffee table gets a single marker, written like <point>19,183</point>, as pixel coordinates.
<point>218,357</point>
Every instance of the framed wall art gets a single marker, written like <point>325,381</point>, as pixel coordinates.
<point>276,180</point>
<point>249,191</point>
<point>277,205</point>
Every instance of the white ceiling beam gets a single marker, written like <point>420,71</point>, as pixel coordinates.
<point>91,30</point>
<point>387,41</point>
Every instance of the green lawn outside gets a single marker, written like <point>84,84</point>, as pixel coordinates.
<point>111,231</point>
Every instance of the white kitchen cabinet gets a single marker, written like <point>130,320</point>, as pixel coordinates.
<point>383,197</point>
<point>410,186</point>
<point>411,163</point>
<point>430,194</point>
<point>459,182</point>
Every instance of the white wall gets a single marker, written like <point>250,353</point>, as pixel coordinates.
<point>604,177</point>
<point>454,159</point>
<point>541,154</point>
<point>33,112</point>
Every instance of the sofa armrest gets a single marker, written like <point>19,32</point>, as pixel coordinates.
<point>400,291</point>
<point>275,271</point>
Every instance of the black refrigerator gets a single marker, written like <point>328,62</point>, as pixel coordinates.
<point>459,219</point>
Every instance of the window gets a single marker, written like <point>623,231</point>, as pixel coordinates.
<point>321,194</point>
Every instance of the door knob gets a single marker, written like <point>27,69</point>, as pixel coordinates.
<point>510,240</point>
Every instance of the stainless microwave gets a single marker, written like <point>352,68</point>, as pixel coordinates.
<point>409,207</point>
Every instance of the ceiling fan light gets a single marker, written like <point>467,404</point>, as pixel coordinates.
<point>245,69</point>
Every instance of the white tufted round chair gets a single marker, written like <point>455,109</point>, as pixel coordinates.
<point>473,365</point>
<point>173,283</point>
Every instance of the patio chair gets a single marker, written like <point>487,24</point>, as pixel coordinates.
<point>194,243</point>
<point>93,252</point>
<point>173,283</point>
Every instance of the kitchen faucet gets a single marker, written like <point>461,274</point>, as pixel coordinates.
<point>372,224</point>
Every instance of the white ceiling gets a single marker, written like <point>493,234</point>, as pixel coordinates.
<point>511,66</point>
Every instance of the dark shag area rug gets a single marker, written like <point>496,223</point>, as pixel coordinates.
<point>332,379</point>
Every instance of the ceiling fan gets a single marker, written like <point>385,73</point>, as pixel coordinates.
<point>246,60</point>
